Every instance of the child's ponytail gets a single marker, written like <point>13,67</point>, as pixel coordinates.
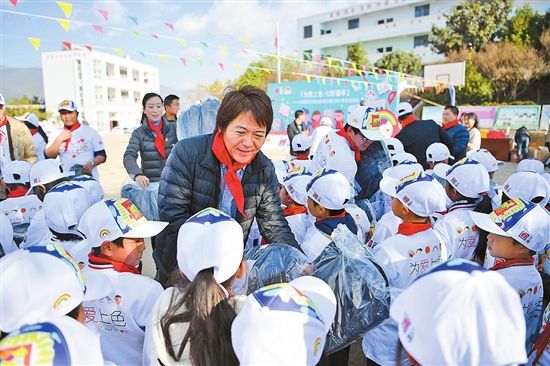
<point>484,206</point>
<point>205,307</point>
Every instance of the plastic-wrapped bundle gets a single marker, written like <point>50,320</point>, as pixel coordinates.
<point>272,263</point>
<point>362,294</point>
<point>199,119</point>
<point>146,199</point>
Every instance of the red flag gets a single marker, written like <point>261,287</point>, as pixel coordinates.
<point>13,2</point>
<point>183,61</point>
<point>104,14</point>
<point>221,65</point>
<point>155,36</point>
<point>98,28</point>
<point>171,26</point>
<point>68,45</point>
<point>87,46</point>
<point>276,42</point>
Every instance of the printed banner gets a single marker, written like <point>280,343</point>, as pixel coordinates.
<point>514,117</point>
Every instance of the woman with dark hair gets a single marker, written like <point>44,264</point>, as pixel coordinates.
<point>153,140</point>
<point>225,170</point>
<point>471,123</point>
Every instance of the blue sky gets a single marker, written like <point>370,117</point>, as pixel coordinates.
<point>226,27</point>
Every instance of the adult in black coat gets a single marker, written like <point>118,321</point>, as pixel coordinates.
<point>417,135</point>
<point>296,127</point>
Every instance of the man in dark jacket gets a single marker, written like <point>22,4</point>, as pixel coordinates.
<point>417,135</point>
<point>295,128</point>
<point>457,132</point>
<point>225,170</point>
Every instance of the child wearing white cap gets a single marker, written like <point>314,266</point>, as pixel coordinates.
<point>19,206</point>
<point>294,197</point>
<point>284,324</point>
<point>528,186</point>
<point>92,186</point>
<point>191,322</point>
<point>437,153</point>
<point>518,230</point>
<point>301,145</point>
<point>328,193</point>
<point>39,136</point>
<point>530,165</point>
<point>115,230</point>
<point>319,133</point>
<point>458,314</point>
<point>466,188</point>
<point>485,158</point>
<point>407,255</point>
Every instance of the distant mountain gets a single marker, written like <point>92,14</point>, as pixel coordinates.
<point>17,82</point>
<point>166,90</point>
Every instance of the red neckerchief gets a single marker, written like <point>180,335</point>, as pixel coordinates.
<point>231,178</point>
<point>407,121</point>
<point>117,266</point>
<point>294,210</point>
<point>4,121</point>
<point>513,263</point>
<point>541,343</point>
<point>72,128</point>
<point>159,137</point>
<point>354,147</point>
<point>410,228</point>
<point>18,192</point>
<point>302,156</point>
<point>339,216</point>
<point>450,124</point>
<point>34,131</point>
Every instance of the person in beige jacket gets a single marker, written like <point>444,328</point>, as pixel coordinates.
<point>18,138</point>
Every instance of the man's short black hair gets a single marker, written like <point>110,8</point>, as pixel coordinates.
<point>452,108</point>
<point>298,113</point>
<point>169,99</point>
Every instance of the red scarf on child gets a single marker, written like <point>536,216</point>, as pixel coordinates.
<point>410,228</point>
<point>513,263</point>
<point>72,128</point>
<point>407,121</point>
<point>231,178</point>
<point>159,137</point>
<point>18,192</point>
<point>294,210</point>
<point>450,124</point>
<point>118,266</point>
<point>354,147</point>
<point>302,155</point>
<point>4,121</point>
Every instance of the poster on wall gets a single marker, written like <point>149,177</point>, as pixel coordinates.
<point>515,116</point>
<point>329,98</point>
<point>545,117</point>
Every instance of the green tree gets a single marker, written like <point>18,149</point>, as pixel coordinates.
<point>472,25</point>
<point>524,27</point>
<point>401,61</point>
<point>357,54</point>
<point>263,71</point>
<point>18,107</point>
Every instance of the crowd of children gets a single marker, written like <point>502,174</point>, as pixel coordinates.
<point>464,260</point>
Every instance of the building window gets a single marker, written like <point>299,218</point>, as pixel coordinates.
<point>380,50</point>
<point>137,97</point>
<point>123,73</point>
<point>135,75</point>
<point>422,10</point>
<point>99,95</point>
<point>380,21</point>
<point>421,41</point>
<point>308,55</point>
<point>353,23</point>
<point>389,49</point>
<point>124,95</point>
<point>308,31</point>
<point>97,69</point>
<point>110,70</point>
<point>389,20</point>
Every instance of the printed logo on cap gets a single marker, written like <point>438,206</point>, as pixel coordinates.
<point>209,216</point>
<point>462,162</point>
<point>41,343</point>
<point>371,119</point>
<point>413,178</point>
<point>296,172</point>
<point>125,213</point>
<point>320,173</point>
<point>507,215</point>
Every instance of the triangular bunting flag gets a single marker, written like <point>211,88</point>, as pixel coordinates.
<point>142,54</point>
<point>245,40</point>
<point>137,33</point>
<point>119,51</point>
<point>68,45</point>
<point>221,66</point>
<point>204,44</point>
<point>35,42</point>
<point>66,8</point>
<point>228,35</point>
<point>87,46</point>
<point>244,51</point>
<point>64,23</point>
<point>164,58</point>
<point>182,41</point>
<point>133,19</point>
<point>171,26</point>
<point>238,68</point>
<point>223,50</point>
<point>98,28</point>
<point>104,14</point>
<point>329,61</point>
<point>155,36</point>
<point>183,61</point>
<point>13,2</point>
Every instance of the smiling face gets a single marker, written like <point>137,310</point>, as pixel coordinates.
<point>243,138</point>
<point>68,118</point>
<point>154,108</point>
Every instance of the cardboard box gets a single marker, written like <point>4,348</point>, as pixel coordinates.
<point>542,154</point>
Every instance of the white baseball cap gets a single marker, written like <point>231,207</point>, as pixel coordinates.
<point>46,171</point>
<point>530,165</point>
<point>281,169</point>
<point>485,158</point>
<point>210,239</point>
<point>29,117</point>
<point>67,105</point>
<point>521,220</point>
<point>403,157</point>
<point>92,186</point>
<point>296,184</point>
<point>2,100</point>
<point>325,121</point>
<point>64,205</point>
<point>459,314</point>
<point>527,186</point>
<point>109,220</point>
<point>467,176</point>
<point>44,281</point>
<point>330,189</point>
<point>16,172</point>
<point>437,152</point>
<point>301,143</point>
<point>59,341</point>
<point>394,146</point>
<point>402,170</point>
<point>404,108</point>
<point>420,192</point>
<point>367,121</point>
<point>284,324</point>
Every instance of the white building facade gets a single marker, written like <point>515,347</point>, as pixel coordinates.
<point>105,87</point>
<point>381,26</point>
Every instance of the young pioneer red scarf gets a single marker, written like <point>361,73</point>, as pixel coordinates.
<point>72,129</point>
<point>410,228</point>
<point>450,124</point>
<point>18,192</point>
<point>294,210</point>
<point>513,263</point>
<point>4,121</point>
<point>231,178</point>
<point>407,121</point>
<point>159,137</point>
<point>101,263</point>
<point>354,147</point>
<point>302,155</point>
<point>34,131</point>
